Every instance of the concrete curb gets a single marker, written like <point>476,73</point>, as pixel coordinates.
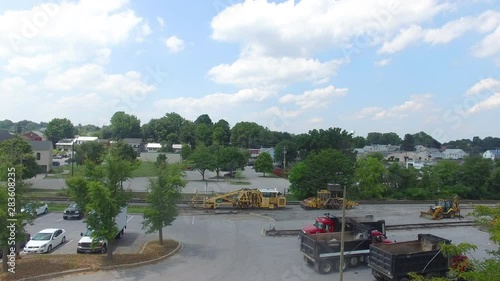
<point>179,248</point>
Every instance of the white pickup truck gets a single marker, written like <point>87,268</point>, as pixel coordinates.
<point>84,245</point>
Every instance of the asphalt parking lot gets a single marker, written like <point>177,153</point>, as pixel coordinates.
<point>231,247</point>
<point>131,241</point>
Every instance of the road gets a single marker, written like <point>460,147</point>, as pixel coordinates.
<point>230,247</point>
<point>194,182</point>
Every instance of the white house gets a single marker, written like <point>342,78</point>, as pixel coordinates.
<point>492,154</point>
<point>65,144</point>
<point>153,147</point>
<point>43,154</point>
<point>80,139</point>
<point>454,154</point>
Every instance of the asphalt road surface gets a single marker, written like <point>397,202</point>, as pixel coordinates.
<point>230,247</point>
<point>194,182</point>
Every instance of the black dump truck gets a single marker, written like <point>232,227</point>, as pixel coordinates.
<point>322,250</point>
<point>393,262</point>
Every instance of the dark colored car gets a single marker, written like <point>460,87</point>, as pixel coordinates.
<point>73,212</point>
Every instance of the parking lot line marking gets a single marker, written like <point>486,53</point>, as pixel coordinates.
<point>130,218</point>
<point>62,245</point>
<point>59,220</point>
<point>192,222</point>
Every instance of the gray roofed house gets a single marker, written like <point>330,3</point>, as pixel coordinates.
<point>5,135</point>
<point>135,143</point>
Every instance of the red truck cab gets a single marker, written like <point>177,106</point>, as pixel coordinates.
<point>323,224</point>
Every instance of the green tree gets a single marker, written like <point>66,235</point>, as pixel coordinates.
<point>408,143</point>
<point>6,124</point>
<point>91,151</point>
<point>232,158</point>
<point>332,138</point>
<point>319,169</point>
<point>488,269</point>
<point>58,129</point>
<point>125,126</point>
<point>369,176</point>
<point>264,163</point>
<point>289,156</point>
<point>426,140</point>
<point>359,142</point>
<point>101,212</point>
<point>391,138</point>
<point>11,197</point>
<point>18,152</point>
<point>375,138</point>
<point>246,135</point>
<point>202,160</point>
<point>475,173</point>
<point>204,134</point>
<point>222,133</point>
<point>124,151</point>
<point>186,151</point>
<point>78,188</point>
<point>163,194</point>
<point>203,119</point>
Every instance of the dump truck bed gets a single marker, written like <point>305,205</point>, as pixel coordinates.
<point>393,261</point>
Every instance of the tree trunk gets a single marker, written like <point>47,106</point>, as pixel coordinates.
<point>109,251</point>
<point>160,235</point>
<point>264,174</point>
<point>4,258</point>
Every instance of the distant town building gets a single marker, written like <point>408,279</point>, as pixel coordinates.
<point>492,154</point>
<point>454,154</point>
<point>153,147</point>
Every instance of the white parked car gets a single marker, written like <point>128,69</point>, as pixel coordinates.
<point>35,209</point>
<point>45,240</point>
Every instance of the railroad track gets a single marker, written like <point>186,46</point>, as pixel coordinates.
<point>295,203</point>
<point>429,225</point>
<point>295,232</point>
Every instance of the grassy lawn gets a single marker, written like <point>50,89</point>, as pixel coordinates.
<point>59,207</point>
<point>146,169</point>
<point>36,265</point>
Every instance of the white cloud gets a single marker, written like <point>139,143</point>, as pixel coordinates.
<point>489,85</point>
<point>487,104</point>
<point>485,22</point>
<point>317,98</point>
<point>405,38</point>
<point>269,71</point>
<point>302,28</point>
<point>66,31</point>
<point>143,32</point>
<point>161,22</point>
<point>414,104</point>
<point>93,77</point>
<point>383,62</point>
<point>216,102</point>
<point>489,46</point>
<point>174,44</point>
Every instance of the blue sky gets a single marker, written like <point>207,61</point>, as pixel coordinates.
<point>387,66</point>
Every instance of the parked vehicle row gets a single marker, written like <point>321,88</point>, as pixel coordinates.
<point>47,239</point>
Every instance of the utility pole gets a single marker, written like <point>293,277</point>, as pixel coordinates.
<point>284,158</point>
<point>72,157</point>
<point>341,271</point>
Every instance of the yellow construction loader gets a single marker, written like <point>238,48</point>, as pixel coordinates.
<point>242,199</point>
<point>443,209</point>
<point>327,199</point>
